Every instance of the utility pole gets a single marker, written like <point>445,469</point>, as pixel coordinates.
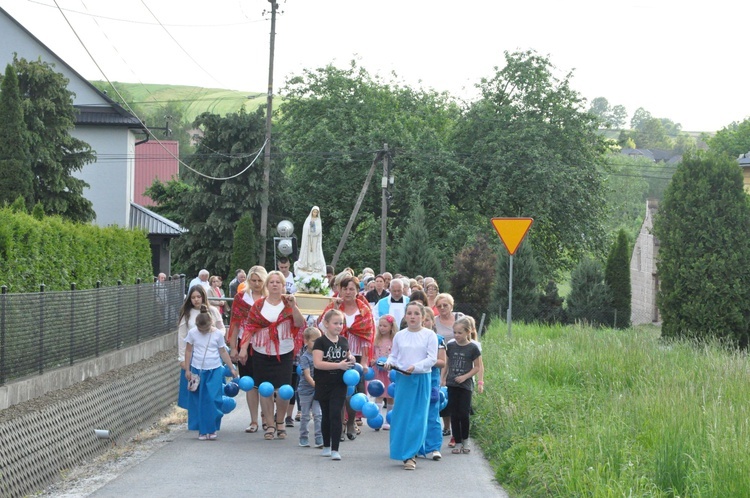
<point>267,152</point>
<point>384,209</point>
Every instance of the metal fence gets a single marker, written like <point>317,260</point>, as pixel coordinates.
<point>42,331</point>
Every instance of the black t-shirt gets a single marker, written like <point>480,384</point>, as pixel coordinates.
<point>461,361</point>
<point>373,296</point>
<point>330,383</point>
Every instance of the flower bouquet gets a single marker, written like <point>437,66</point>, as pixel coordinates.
<point>313,293</point>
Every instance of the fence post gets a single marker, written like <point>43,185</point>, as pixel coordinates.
<point>97,310</point>
<point>41,329</point>
<point>119,313</point>
<point>615,320</point>
<point>137,310</point>
<point>3,309</point>
<point>72,321</point>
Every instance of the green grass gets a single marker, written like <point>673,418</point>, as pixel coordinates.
<point>574,411</point>
<point>196,99</point>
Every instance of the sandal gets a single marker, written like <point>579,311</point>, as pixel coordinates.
<point>465,449</point>
<point>456,451</point>
<point>281,433</point>
<point>410,464</point>
<point>269,434</point>
<point>358,421</point>
<point>252,428</point>
<point>452,443</point>
<point>351,436</point>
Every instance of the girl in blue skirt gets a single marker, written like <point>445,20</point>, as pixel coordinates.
<point>204,351</point>
<point>414,353</point>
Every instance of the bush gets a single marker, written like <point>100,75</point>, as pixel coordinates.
<point>617,277</point>
<point>474,273</point>
<point>590,300</point>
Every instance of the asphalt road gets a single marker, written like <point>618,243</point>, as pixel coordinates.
<point>241,463</point>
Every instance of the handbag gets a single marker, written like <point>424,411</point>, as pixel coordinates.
<point>195,380</point>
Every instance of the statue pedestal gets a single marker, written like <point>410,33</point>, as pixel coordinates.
<point>311,304</point>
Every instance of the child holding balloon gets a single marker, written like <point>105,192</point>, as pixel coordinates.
<point>331,358</point>
<point>382,349</point>
<point>204,351</point>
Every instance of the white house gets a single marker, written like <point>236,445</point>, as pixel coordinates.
<point>111,131</point>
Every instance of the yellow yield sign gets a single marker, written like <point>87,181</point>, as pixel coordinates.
<point>512,231</point>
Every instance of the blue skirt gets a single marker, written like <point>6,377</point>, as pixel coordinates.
<point>204,405</point>
<point>182,394</point>
<point>434,439</point>
<point>409,416</point>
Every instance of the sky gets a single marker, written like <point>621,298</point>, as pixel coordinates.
<point>681,60</point>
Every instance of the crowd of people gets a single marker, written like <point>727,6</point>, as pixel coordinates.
<point>403,329</point>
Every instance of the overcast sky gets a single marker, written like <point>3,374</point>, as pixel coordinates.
<point>677,59</point>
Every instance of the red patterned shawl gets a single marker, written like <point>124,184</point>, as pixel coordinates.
<point>256,322</point>
<point>363,326</point>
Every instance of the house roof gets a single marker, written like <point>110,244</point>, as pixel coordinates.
<point>154,224</point>
<point>111,114</point>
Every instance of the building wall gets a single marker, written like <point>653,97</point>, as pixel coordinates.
<point>643,279</point>
<point>154,160</point>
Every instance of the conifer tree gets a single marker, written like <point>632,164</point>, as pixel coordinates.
<point>704,251</point>
<point>617,277</point>
<point>525,284</point>
<point>16,176</point>
<point>414,252</point>
<point>590,300</point>
<point>244,247</point>
<point>474,273</point>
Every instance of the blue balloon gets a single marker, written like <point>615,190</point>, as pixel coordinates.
<point>228,404</point>
<point>349,391</point>
<point>227,371</point>
<point>351,377</point>
<point>299,370</point>
<point>388,416</point>
<point>392,375</point>
<point>375,422</point>
<point>265,389</point>
<point>370,374</point>
<point>442,396</point>
<point>359,368</point>
<point>246,383</point>
<point>286,392</point>
<point>358,401</point>
<point>392,390</point>
<point>231,389</point>
<point>375,388</point>
<point>382,360</point>
<point>434,395</point>
<point>370,410</point>
<point>444,390</point>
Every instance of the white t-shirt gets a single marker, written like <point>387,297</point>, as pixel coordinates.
<point>291,287</point>
<point>262,343</point>
<point>414,348</point>
<point>207,344</point>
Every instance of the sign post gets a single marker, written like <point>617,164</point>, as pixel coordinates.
<point>512,232</point>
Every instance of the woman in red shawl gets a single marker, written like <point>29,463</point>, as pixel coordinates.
<point>248,292</point>
<point>273,328</point>
<point>359,330</point>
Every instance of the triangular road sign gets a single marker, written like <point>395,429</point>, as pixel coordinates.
<point>512,231</point>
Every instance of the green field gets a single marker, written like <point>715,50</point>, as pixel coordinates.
<point>195,100</point>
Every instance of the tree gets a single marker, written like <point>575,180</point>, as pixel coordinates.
<point>704,251</point>
<point>414,254</point>
<point>525,284</point>
<point>551,305</point>
<point>534,151</point>
<point>617,277</point>
<point>474,273</point>
<point>639,117</point>
<point>590,300</point>
<point>16,177</point>
<point>732,140</point>
<point>55,154</point>
<point>331,123</point>
<point>244,244</point>
<point>618,116</point>
<point>225,190</point>
<point>610,117</point>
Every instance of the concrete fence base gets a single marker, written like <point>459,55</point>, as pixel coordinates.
<point>46,435</point>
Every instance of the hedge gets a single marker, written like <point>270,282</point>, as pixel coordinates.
<point>57,253</point>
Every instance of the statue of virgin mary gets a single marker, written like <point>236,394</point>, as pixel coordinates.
<point>311,259</point>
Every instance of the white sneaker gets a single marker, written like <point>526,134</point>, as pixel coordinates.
<point>326,452</point>
<point>335,455</point>
<point>436,455</point>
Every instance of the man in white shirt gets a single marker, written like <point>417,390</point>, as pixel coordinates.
<point>201,279</point>
<point>395,304</point>
<point>283,265</point>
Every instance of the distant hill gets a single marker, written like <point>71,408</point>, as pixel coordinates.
<point>195,99</point>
